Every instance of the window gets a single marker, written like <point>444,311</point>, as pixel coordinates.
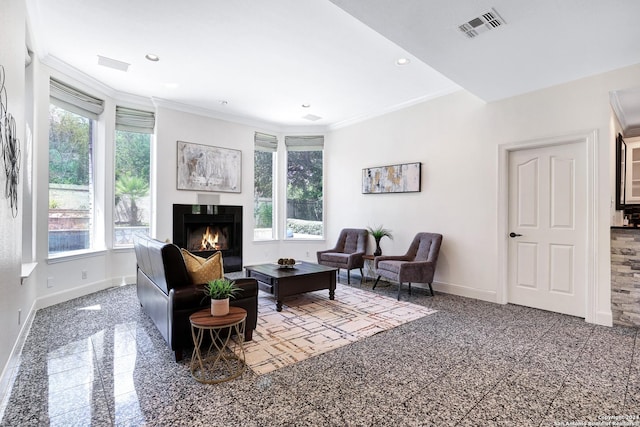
<point>72,116</point>
<point>263,189</point>
<point>304,187</point>
<point>132,208</point>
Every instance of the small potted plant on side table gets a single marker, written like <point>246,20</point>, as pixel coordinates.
<point>378,233</point>
<point>220,290</point>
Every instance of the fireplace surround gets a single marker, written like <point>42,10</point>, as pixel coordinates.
<point>206,229</point>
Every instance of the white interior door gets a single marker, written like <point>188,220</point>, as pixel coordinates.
<point>547,224</point>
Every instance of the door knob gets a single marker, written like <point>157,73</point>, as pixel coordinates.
<point>512,234</point>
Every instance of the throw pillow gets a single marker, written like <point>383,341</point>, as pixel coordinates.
<point>202,270</point>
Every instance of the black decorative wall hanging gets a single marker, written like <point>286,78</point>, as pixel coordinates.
<point>10,148</point>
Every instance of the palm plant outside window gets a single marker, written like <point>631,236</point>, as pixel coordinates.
<point>132,209</point>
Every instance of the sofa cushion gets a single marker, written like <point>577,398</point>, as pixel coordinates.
<point>202,270</point>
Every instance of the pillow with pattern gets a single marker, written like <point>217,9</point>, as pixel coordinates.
<point>202,270</point>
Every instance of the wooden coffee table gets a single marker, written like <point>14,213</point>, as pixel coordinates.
<point>284,282</point>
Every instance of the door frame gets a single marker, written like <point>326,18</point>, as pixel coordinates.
<point>589,141</point>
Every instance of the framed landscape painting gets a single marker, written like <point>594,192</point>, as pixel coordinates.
<point>402,178</point>
<point>208,168</point>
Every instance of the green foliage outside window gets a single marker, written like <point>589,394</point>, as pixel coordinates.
<point>69,148</point>
<point>132,155</point>
<point>304,193</point>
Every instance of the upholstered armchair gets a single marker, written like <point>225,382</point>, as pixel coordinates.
<point>418,265</point>
<point>348,252</point>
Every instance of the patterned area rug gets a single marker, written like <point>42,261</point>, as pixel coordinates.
<point>311,324</point>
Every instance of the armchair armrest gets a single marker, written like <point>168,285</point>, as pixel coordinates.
<point>334,249</point>
<point>416,265</point>
<point>356,258</point>
<point>417,271</point>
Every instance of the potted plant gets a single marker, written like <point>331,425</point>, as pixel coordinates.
<point>220,290</point>
<point>378,233</point>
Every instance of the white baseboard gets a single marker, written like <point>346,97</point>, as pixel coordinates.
<point>10,370</point>
<point>604,318</point>
<point>79,291</point>
<point>465,291</point>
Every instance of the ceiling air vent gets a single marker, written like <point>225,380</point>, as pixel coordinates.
<point>311,117</point>
<point>487,21</point>
<point>113,63</point>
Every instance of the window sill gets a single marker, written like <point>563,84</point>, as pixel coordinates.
<point>70,256</point>
<point>27,269</point>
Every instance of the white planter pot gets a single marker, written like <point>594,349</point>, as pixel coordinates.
<point>219,307</point>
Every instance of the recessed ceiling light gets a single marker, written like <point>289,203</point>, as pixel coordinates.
<point>152,57</point>
<point>306,105</point>
<point>171,85</point>
<point>223,102</point>
<point>403,61</point>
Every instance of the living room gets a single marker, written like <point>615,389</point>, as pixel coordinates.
<point>459,139</point>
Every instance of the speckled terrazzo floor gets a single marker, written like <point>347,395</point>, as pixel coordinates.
<point>98,360</point>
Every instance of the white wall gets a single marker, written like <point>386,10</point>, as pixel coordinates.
<point>15,296</point>
<point>173,126</point>
<point>456,137</point>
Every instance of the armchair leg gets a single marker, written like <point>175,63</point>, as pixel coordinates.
<point>348,277</point>
<point>431,289</point>
<point>409,288</point>
<point>374,285</point>
<point>399,287</point>
<point>361,276</point>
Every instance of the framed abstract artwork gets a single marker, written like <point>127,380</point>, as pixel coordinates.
<point>208,168</point>
<point>402,178</point>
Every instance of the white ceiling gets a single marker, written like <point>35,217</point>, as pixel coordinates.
<point>266,58</point>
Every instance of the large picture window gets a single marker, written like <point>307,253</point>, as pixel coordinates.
<point>72,116</point>
<point>70,181</point>
<point>264,167</point>
<point>132,207</point>
<point>304,187</point>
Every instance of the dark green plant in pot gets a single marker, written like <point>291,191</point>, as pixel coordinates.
<point>221,289</point>
<point>378,233</point>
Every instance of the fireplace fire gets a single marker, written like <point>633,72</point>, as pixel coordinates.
<point>207,229</point>
<point>213,238</point>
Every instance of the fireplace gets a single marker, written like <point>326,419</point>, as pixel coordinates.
<point>206,229</point>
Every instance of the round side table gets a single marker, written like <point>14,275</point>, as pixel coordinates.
<point>224,358</point>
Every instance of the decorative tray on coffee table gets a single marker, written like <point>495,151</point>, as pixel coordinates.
<point>287,263</point>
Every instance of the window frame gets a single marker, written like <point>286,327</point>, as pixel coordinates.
<point>265,143</point>
<point>93,175</point>
<point>301,143</point>
<point>140,121</point>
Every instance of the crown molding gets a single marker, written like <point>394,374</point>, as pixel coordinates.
<point>629,129</point>
<point>205,112</point>
<point>393,108</point>
<point>153,102</point>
